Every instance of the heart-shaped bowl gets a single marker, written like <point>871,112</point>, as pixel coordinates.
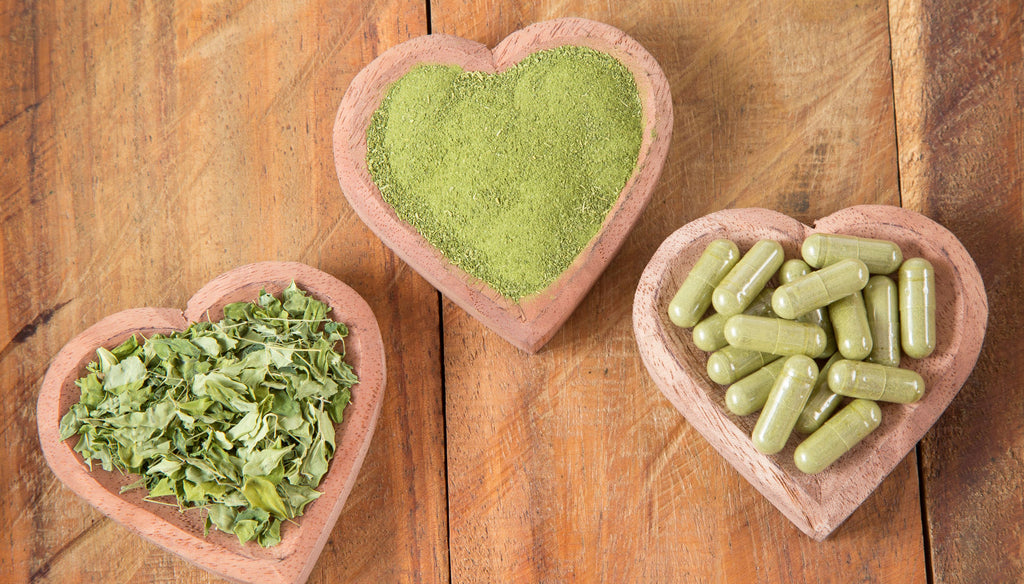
<point>532,321</point>
<point>817,504</point>
<point>182,533</point>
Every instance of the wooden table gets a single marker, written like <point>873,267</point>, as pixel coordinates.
<point>148,147</point>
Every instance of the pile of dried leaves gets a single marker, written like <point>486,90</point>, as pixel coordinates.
<point>236,416</point>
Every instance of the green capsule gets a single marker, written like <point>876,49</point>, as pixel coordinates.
<point>837,436</point>
<point>917,307</point>
<point>694,296</point>
<point>774,335</point>
<point>819,288</point>
<point>709,334</point>
<point>880,256</point>
<point>747,395</point>
<point>748,277</point>
<point>875,382</point>
<point>850,324</point>
<point>729,364</point>
<point>822,402</point>
<point>785,402</point>
<point>882,306</point>
<point>792,270</point>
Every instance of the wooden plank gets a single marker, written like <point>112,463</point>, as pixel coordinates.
<point>158,146</point>
<point>570,465</point>
<point>959,87</point>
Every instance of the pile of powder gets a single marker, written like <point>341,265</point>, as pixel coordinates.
<point>509,175</point>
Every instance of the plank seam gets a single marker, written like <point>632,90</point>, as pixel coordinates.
<point>922,499</point>
<point>444,426</point>
<point>895,118</point>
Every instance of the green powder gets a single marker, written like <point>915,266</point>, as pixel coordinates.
<point>509,175</point>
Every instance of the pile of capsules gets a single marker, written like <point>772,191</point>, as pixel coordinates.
<point>836,304</point>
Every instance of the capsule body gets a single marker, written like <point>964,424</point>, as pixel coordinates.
<point>850,325</point>
<point>819,288</point>
<point>822,402</point>
<point>694,296</point>
<point>837,436</point>
<point>880,256</point>
<point>792,270</point>
<point>730,364</point>
<point>881,303</point>
<point>774,335</point>
<point>875,382</point>
<point>747,278</point>
<point>785,402</point>
<point>748,395</point>
<point>709,334</point>
<point>917,307</point>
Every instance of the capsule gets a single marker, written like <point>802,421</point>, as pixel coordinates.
<point>819,288</point>
<point>709,334</point>
<point>875,382</point>
<point>774,335</point>
<point>882,306</point>
<point>821,404</point>
<point>729,364</point>
<point>747,395</point>
<point>694,296</point>
<point>785,402</point>
<point>917,307</point>
<point>837,436</point>
<point>792,270</point>
<point>850,324</point>
<point>747,278</point>
<point>880,256</point>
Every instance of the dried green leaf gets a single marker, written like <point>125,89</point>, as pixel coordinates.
<point>262,494</point>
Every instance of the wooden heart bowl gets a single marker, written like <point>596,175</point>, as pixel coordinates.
<point>532,321</point>
<point>182,533</point>
<point>819,503</point>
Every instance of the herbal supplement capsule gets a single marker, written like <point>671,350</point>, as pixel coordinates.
<point>875,382</point>
<point>785,402</point>
<point>880,256</point>
<point>747,395</point>
<point>774,335</point>
<point>709,334</point>
<point>917,307</point>
<point>820,318</point>
<point>850,324</point>
<point>837,436</point>
<point>748,277</point>
<point>729,364</point>
<point>792,270</point>
<point>882,306</point>
<point>694,296</point>
<point>821,404</point>
<point>819,288</point>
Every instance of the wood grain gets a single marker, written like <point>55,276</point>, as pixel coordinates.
<point>145,147</point>
<point>154,146</point>
<point>570,465</point>
<point>959,97</point>
<point>817,504</point>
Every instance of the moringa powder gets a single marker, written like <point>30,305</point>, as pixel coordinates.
<point>509,175</point>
